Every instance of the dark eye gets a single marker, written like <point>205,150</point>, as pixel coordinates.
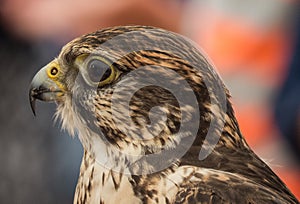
<point>98,71</point>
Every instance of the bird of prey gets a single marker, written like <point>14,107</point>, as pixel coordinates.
<point>155,121</point>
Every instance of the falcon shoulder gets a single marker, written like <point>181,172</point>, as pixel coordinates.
<point>203,185</point>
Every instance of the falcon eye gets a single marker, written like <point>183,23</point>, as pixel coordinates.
<point>53,71</point>
<point>96,70</point>
<point>99,71</point>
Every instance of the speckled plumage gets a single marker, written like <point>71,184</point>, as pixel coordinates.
<point>231,173</point>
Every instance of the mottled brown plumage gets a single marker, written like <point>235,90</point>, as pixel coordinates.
<point>118,165</point>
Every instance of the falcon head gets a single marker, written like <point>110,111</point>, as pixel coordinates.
<point>144,100</point>
<point>135,93</point>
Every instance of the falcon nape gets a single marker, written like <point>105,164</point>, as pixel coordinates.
<point>155,122</point>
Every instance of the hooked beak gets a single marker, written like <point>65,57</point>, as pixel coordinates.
<point>43,88</point>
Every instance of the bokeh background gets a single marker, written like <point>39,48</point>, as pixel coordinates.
<point>255,45</point>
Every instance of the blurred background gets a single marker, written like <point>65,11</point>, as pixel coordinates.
<point>255,46</point>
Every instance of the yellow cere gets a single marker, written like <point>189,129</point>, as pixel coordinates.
<point>53,69</point>
<point>53,72</point>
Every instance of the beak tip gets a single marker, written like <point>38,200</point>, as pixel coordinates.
<point>32,103</point>
<point>34,113</point>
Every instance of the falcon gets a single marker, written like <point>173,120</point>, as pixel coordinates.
<point>155,121</point>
